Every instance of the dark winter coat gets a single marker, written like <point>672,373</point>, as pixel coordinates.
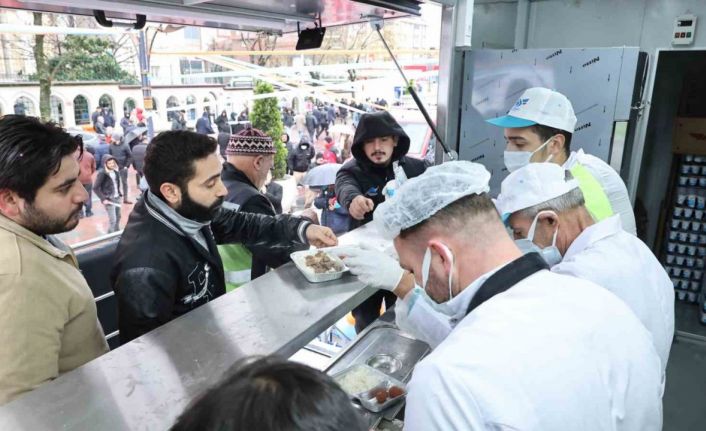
<point>102,150</point>
<point>138,157</point>
<point>109,119</point>
<point>125,124</point>
<point>222,124</point>
<point>359,176</point>
<point>122,154</point>
<point>311,122</point>
<point>178,123</point>
<point>203,125</point>
<point>161,273</point>
<point>337,219</point>
<point>301,156</point>
<point>275,193</point>
<point>223,139</point>
<point>249,199</point>
<point>103,186</point>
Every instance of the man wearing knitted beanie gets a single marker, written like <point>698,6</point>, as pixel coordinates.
<point>249,158</point>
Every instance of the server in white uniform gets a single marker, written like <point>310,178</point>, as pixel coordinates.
<point>532,350</point>
<point>545,208</point>
<point>539,128</point>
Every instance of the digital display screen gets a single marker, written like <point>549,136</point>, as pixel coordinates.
<point>685,23</point>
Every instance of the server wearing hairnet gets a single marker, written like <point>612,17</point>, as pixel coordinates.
<point>545,208</point>
<point>531,350</point>
<point>379,149</point>
<point>539,128</point>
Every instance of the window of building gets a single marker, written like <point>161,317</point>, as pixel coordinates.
<point>192,33</point>
<point>81,113</point>
<point>106,101</point>
<point>191,107</point>
<point>57,110</point>
<point>172,102</point>
<point>25,106</point>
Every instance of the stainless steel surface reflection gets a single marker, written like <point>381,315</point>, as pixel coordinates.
<point>145,384</point>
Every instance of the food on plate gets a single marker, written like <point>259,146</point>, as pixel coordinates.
<point>357,380</point>
<point>395,391</point>
<point>322,263</point>
<point>381,394</point>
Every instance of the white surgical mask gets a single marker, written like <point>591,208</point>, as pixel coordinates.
<point>426,265</point>
<point>515,160</point>
<point>550,254</point>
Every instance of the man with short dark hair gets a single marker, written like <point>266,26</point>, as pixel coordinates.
<point>120,150</point>
<point>47,311</point>
<point>109,190</point>
<point>306,400</point>
<point>539,128</point>
<point>379,149</point>
<point>167,262</point>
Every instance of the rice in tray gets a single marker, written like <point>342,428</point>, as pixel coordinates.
<point>357,380</point>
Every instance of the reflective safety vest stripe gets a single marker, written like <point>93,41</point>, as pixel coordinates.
<point>237,264</point>
<point>597,202</point>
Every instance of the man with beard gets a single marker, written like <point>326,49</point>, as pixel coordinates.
<point>167,262</point>
<point>379,149</point>
<point>47,311</point>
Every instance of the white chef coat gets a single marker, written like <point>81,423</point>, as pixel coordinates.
<point>612,184</point>
<point>612,258</point>
<point>553,353</point>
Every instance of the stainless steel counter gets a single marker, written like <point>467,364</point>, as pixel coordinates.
<point>145,384</point>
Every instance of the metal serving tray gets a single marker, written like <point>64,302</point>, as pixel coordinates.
<point>384,347</point>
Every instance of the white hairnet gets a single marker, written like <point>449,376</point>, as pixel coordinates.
<point>421,197</point>
<point>532,185</point>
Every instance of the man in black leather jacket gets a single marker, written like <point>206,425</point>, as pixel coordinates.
<point>167,262</point>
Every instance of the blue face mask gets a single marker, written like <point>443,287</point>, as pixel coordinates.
<point>550,254</point>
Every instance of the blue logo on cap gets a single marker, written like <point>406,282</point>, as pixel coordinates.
<point>519,104</point>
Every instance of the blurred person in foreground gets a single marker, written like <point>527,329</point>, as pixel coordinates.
<point>272,394</point>
<point>167,261</point>
<point>47,311</point>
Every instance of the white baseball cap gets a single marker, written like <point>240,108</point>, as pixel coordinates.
<point>532,185</point>
<point>541,106</point>
<point>421,197</point>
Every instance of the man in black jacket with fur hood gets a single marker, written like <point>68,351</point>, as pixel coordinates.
<point>167,263</point>
<point>378,143</point>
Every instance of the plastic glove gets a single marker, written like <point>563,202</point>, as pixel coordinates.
<point>374,268</point>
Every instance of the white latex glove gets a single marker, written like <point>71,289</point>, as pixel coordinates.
<point>372,267</point>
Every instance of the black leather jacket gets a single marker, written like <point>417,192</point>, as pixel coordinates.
<point>249,199</point>
<point>160,272</point>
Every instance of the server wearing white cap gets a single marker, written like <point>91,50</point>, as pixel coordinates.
<point>539,128</point>
<point>545,208</point>
<point>531,350</point>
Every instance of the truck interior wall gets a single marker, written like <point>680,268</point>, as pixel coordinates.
<point>672,68</point>
<point>494,25</point>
